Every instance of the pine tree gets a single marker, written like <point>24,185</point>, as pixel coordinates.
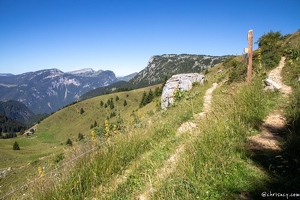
<point>69,142</point>
<point>81,111</point>
<point>101,103</point>
<point>150,97</point>
<point>16,146</point>
<point>112,105</point>
<point>125,103</point>
<point>157,92</point>
<point>80,136</point>
<point>144,99</point>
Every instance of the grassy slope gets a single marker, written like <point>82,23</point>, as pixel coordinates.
<point>53,132</point>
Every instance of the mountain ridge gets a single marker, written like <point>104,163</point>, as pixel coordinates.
<point>16,111</point>
<point>166,65</point>
<point>50,89</point>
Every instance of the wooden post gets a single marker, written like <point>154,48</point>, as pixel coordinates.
<point>250,42</point>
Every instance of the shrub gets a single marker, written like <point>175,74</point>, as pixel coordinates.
<point>180,94</point>
<point>271,50</point>
<point>59,157</point>
<point>195,84</point>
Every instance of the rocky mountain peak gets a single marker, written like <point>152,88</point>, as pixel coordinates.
<point>48,90</point>
<point>166,65</point>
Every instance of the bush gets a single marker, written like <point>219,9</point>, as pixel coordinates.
<point>271,50</point>
<point>59,157</point>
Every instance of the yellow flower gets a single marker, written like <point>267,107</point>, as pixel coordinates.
<point>115,129</point>
<point>93,135</point>
<point>106,128</point>
<point>41,173</point>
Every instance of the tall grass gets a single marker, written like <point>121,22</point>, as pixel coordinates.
<point>155,137</point>
<point>216,165</point>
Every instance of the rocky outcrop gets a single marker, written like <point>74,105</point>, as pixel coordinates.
<point>179,82</point>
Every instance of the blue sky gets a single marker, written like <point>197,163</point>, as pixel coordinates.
<point>122,35</point>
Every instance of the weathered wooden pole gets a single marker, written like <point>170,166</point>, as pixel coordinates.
<point>250,42</point>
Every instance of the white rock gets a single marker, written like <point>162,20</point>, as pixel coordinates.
<point>179,82</point>
<point>272,83</point>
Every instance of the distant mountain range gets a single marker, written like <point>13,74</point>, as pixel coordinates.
<point>48,90</point>
<point>6,74</point>
<point>128,77</point>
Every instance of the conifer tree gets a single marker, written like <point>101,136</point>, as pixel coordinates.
<point>69,142</point>
<point>144,99</point>
<point>16,146</point>
<point>149,97</point>
<point>81,111</point>
<point>112,105</point>
<point>101,103</point>
<point>80,136</point>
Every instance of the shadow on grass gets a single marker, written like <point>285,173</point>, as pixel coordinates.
<point>282,165</point>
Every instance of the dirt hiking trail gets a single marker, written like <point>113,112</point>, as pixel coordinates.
<point>275,122</point>
<point>170,164</point>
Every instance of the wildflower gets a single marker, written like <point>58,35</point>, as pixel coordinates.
<point>106,128</point>
<point>93,136</point>
<point>115,129</point>
<point>41,173</point>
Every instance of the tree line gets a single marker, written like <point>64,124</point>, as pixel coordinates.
<point>9,127</point>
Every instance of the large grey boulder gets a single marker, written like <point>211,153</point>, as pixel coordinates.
<point>179,82</point>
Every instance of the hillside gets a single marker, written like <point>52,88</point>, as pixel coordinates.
<point>77,118</point>
<point>16,110</point>
<point>103,90</point>
<point>200,148</point>
<point>128,77</point>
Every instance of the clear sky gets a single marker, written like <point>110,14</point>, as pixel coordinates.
<point>122,35</point>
